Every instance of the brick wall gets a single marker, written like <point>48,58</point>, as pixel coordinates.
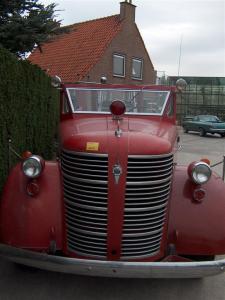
<point>129,43</point>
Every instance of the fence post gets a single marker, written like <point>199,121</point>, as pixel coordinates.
<point>223,167</point>
<point>9,153</point>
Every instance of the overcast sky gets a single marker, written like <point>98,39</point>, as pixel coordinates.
<point>198,26</point>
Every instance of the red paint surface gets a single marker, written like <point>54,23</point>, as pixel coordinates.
<point>26,221</point>
<point>197,228</point>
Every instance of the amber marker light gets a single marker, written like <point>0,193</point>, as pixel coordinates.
<point>199,172</point>
<point>26,154</point>
<point>117,108</point>
<point>206,160</point>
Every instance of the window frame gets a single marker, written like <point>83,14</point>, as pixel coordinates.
<point>124,65</point>
<point>141,71</point>
<point>168,92</point>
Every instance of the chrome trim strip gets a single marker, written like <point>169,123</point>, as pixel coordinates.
<point>113,268</point>
<point>140,220</point>
<point>86,176</point>
<point>162,191</point>
<point>88,217</point>
<point>148,199</point>
<point>76,169</point>
<point>146,247</point>
<point>152,156</point>
<point>71,239</point>
<point>86,203</point>
<point>89,214</point>
<point>86,231</point>
<point>86,206</point>
<point>146,208</point>
<point>85,153</point>
<point>127,225</point>
<point>85,180</point>
<point>152,177</point>
<point>77,220</point>
<point>82,185</point>
<point>78,196</point>
<point>75,189</point>
<point>147,242</point>
<point>100,239</point>
<point>143,234</point>
<point>82,252</point>
<point>153,164</point>
<point>149,182</point>
<point>80,244</point>
<point>159,167</point>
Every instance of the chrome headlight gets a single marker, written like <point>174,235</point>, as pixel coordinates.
<point>199,172</point>
<point>33,166</point>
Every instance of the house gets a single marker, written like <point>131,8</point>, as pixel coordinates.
<point>110,46</point>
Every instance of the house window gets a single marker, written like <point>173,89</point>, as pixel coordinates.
<point>119,65</point>
<point>137,66</point>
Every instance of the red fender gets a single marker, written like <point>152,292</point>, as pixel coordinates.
<point>197,228</point>
<point>32,222</point>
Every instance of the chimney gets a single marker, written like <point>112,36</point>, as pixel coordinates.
<point>127,11</point>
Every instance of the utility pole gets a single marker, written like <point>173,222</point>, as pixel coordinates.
<point>181,40</point>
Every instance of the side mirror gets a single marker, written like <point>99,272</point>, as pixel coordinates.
<point>56,81</point>
<point>181,85</point>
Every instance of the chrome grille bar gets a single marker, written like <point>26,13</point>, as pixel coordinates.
<point>147,193</point>
<point>85,178</point>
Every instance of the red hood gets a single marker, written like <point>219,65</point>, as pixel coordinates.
<point>139,135</point>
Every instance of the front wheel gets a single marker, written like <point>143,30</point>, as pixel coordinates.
<point>202,132</point>
<point>185,130</point>
<point>222,135</point>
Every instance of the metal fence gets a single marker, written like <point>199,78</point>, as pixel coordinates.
<point>203,95</point>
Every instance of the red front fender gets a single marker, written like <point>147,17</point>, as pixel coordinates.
<point>197,228</point>
<point>32,222</point>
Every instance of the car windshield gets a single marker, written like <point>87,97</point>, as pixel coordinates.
<point>85,100</point>
<point>209,118</point>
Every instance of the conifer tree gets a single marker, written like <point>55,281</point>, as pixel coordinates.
<point>25,24</point>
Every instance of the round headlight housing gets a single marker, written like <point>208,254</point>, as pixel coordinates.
<point>199,172</point>
<point>33,166</point>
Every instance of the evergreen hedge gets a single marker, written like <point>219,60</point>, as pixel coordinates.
<point>29,109</point>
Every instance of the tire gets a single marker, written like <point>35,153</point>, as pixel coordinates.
<point>222,135</point>
<point>185,130</point>
<point>202,132</point>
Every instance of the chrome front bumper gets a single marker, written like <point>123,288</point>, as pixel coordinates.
<point>113,268</point>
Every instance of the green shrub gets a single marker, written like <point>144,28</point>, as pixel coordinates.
<point>29,109</point>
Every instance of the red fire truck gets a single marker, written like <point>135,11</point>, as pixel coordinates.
<point>115,202</point>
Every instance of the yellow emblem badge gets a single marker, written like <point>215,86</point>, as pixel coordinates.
<point>92,146</point>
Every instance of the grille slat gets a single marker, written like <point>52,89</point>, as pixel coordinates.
<point>150,198</point>
<point>82,207</point>
<point>147,193</point>
<point>85,193</point>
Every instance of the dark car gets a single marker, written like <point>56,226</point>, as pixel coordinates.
<point>205,124</point>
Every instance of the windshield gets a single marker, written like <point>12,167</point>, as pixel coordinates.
<point>209,118</point>
<point>85,100</point>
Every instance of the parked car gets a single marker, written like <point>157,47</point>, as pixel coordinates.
<point>205,124</point>
<point>187,118</point>
<point>115,203</point>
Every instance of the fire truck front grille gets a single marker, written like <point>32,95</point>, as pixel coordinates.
<point>85,178</point>
<point>147,193</point>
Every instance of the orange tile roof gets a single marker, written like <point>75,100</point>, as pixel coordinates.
<point>72,55</point>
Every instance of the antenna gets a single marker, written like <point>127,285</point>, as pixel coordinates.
<point>181,40</point>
